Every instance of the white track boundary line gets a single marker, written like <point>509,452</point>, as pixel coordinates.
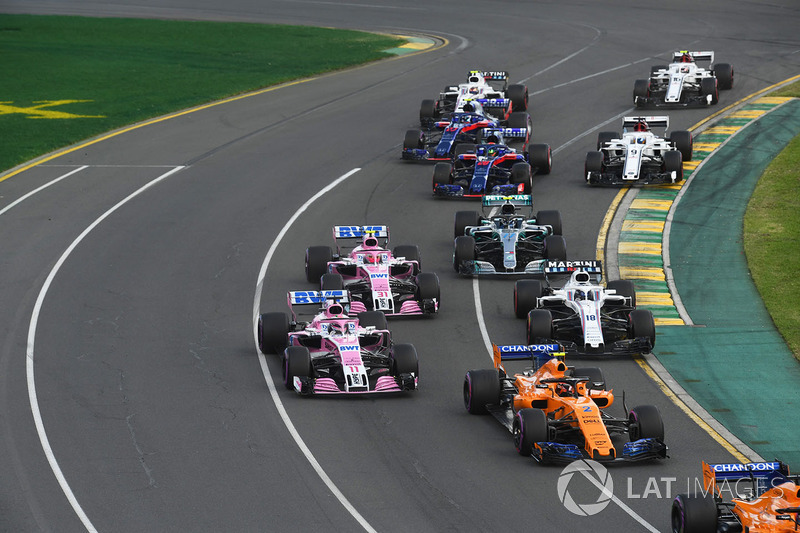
<point>265,368</point>
<point>37,415</point>
<point>39,189</point>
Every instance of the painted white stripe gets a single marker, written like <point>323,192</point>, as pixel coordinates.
<point>37,415</point>
<point>620,503</point>
<point>265,368</point>
<point>43,187</point>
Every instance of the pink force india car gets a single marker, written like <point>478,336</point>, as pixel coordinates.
<point>337,351</point>
<point>377,279</point>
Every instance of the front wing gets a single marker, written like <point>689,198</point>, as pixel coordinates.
<point>308,386</point>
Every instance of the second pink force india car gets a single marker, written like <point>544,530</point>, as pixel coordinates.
<point>377,278</point>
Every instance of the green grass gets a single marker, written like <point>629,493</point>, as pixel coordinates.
<point>772,237</point>
<point>133,69</point>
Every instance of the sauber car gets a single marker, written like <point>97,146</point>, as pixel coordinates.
<point>556,413</point>
<point>767,499</point>
<point>440,140</point>
<point>583,315</point>
<point>638,155</point>
<point>491,169</point>
<point>379,279</point>
<point>339,350</point>
<point>683,83</point>
<point>490,89</point>
<point>506,242</point>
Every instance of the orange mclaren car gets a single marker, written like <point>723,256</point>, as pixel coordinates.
<point>556,412</point>
<point>764,498</point>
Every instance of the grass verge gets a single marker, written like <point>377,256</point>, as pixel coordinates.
<point>75,77</point>
<point>772,237</point>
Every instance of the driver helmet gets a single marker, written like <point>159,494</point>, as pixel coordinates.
<point>372,259</point>
<point>493,151</point>
<point>473,90</point>
<point>563,389</point>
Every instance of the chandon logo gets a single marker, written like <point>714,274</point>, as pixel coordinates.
<point>592,471</point>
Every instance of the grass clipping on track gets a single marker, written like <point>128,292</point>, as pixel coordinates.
<point>772,237</point>
<point>70,78</point>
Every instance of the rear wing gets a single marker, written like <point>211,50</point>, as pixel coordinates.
<point>316,298</point>
<point>697,56</point>
<point>517,200</point>
<point>357,232</point>
<point>495,75</point>
<point>766,475</point>
<point>537,353</point>
<point>593,266</point>
<point>653,122</point>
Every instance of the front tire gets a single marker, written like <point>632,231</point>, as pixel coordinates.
<point>481,388</point>
<point>529,427</point>
<point>428,286</point>
<point>642,324</point>
<point>405,359</point>
<point>644,422</point>
<point>331,282</point>
<point>464,251</point>
<point>296,363</point>
<point>442,174</point>
<point>641,89</point>
<point>272,332</point>
<point>521,173</point>
<point>683,143</point>
<point>673,161</point>
<point>414,140</point>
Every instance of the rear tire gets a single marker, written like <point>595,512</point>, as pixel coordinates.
<point>317,259</point>
<point>481,387</point>
<point>555,248</point>
<point>518,94</point>
<point>522,120</point>
<point>541,158</point>
<point>331,282</point>
<point>296,363</point>
<point>408,251</point>
<point>464,219</point>
<point>373,318</point>
<point>526,294</point>
<point>464,251</point>
<point>624,287</point>
<point>594,374</point>
<point>530,426</point>
<point>550,218</point>
<point>273,329</point>
<point>694,513</point>
<point>724,74</point>
<point>606,136</point>
<point>540,326</point>
<point>644,422</point>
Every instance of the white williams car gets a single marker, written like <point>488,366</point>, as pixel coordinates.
<point>638,155</point>
<point>683,83</point>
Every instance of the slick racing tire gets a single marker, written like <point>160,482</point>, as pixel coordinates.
<point>606,136</point>
<point>464,219</point>
<point>521,173</point>
<point>593,164</point>
<point>518,94</point>
<point>540,326</point>
<point>414,140</point>
<point>529,427</point>
<point>442,174</point>
<point>526,294</point>
<point>272,332</point>
<point>317,259</point>
<point>522,120</point>
<point>410,252</point>
<point>683,143</point>
<point>481,388</point>
<point>405,360</point>
<point>694,513</point>
<point>464,251</point>
<point>641,324</point>
<point>644,422</point>
<point>623,287</point>
<point>709,86</point>
<point>550,217</point>
<point>555,248</point>
<point>594,374</point>
<point>673,161</point>
<point>331,282</point>
<point>541,158</point>
<point>641,89</point>
<point>724,74</point>
<point>296,363</point>
<point>374,319</point>
<point>464,148</point>
<point>427,286</point>
<point>428,112</point>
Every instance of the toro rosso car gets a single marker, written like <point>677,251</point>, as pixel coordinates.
<point>556,413</point>
<point>471,126</point>
<point>491,169</point>
<point>490,89</point>
<point>378,279</point>
<point>683,83</point>
<point>506,242</point>
<point>767,500</point>
<point>638,155</point>
<point>582,316</point>
<point>337,351</point>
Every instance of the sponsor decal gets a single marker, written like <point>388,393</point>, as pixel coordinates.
<point>749,467</point>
